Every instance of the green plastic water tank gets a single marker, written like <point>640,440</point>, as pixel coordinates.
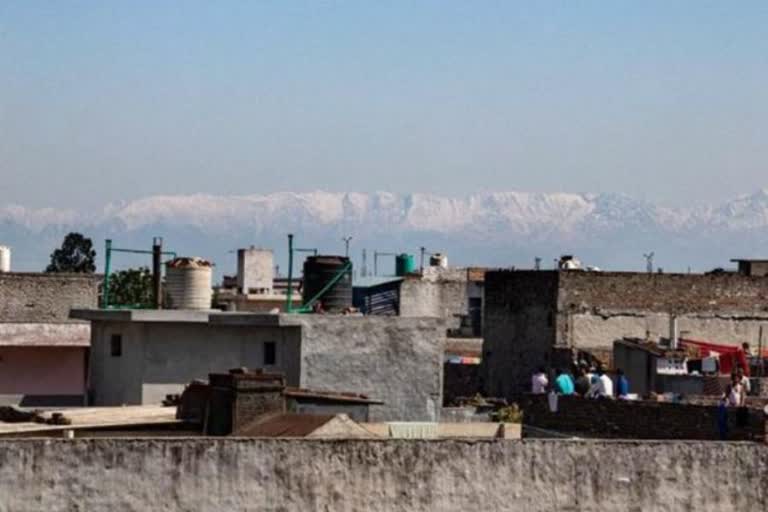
<point>405,264</point>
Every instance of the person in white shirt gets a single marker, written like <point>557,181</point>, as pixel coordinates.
<point>539,382</point>
<point>607,384</point>
<point>744,381</point>
<point>602,386</point>
<point>735,393</point>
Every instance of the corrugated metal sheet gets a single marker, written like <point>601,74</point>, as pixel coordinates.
<point>285,425</point>
<point>333,396</point>
<point>381,299</point>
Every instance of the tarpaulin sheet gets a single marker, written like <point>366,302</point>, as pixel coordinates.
<point>730,356</point>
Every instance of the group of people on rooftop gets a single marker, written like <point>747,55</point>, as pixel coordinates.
<point>590,382</point>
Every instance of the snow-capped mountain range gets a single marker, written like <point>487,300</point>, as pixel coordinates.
<point>494,228</point>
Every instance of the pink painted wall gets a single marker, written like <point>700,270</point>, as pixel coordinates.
<point>42,370</point>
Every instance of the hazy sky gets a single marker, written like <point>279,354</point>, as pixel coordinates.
<point>102,101</point>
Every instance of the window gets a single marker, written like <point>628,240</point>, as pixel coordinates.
<point>270,353</point>
<point>116,345</point>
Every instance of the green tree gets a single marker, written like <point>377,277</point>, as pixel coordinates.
<point>75,255</point>
<point>131,287</point>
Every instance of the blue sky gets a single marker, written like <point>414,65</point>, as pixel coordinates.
<point>103,101</point>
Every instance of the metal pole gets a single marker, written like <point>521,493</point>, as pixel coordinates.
<point>423,250</point>
<point>157,251</point>
<point>288,300</point>
<point>375,263</point>
<point>760,352</point>
<point>107,265</point>
<point>346,239</point>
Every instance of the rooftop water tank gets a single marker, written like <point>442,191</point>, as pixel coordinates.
<point>188,283</point>
<point>438,260</point>
<point>404,264</point>
<point>321,270</point>
<point>5,259</point>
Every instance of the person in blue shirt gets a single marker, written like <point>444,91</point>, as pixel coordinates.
<point>622,384</point>
<point>563,383</point>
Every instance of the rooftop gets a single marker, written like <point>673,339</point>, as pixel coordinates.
<point>338,426</point>
<point>96,417</point>
<point>228,318</point>
<point>285,425</point>
<point>371,281</point>
<point>334,396</point>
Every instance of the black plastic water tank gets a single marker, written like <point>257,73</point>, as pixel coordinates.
<point>318,272</point>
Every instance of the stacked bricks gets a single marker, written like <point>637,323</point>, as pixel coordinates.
<point>639,419</point>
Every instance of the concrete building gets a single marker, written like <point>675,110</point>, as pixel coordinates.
<point>44,353</point>
<point>140,356</point>
<point>455,295</point>
<point>255,271</point>
<point>756,268</point>
<point>535,318</point>
<point>255,288</point>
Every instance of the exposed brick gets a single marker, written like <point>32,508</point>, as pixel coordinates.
<point>638,420</point>
<point>45,297</point>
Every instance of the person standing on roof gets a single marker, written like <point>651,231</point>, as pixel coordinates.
<point>539,382</point>
<point>622,384</point>
<point>602,385</point>
<point>735,392</point>
<point>744,381</point>
<point>582,382</point>
<point>563,383</point>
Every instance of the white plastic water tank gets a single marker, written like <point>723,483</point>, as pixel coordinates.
<point>5,259</point>
<point>188,283</point>
<point>438,260</point>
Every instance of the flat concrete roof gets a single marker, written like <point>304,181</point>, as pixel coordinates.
<point>214,317</point>
<point>97,417</point>
<point>224,318</point>
<point>141,315</point>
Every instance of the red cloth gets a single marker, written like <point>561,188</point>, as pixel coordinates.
<point>729,355</point>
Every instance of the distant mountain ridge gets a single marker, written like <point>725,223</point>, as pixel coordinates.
<point>490,228</point>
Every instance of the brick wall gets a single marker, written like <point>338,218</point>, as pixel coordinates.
<point>676,293</point>
<point>638,420</point>
<point>238,398</point>
<point>42,297</point>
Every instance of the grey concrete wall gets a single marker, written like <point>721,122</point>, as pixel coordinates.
<point>255,270</point>
<point>115,380</point>
<point>42,297</point>
<point>160,358</point>
<point>300,475</point>
<point>599,329</point>
<point>440,293</point>
<point>397,360</point>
